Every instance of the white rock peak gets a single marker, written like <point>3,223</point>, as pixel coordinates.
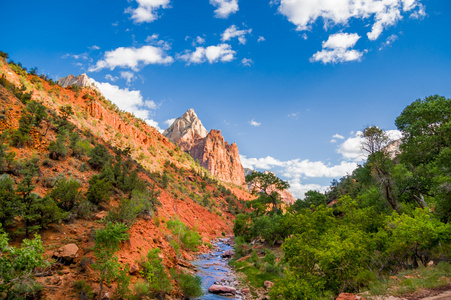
<point>187,128</point>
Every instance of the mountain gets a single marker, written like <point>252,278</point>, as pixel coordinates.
<point>212,152</point>
<point>80,81</point>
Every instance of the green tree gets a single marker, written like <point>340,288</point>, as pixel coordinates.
<point>314,198</point>
<point>267,185</point>
<point>66,193</point>
<point>107,243</point>
<point>8,203</point>
<point>99,156</point>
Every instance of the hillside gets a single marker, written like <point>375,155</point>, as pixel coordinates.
<point>50,136</point>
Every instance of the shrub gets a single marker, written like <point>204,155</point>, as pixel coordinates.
<point>66,193</point>
<point>99,156</point>
<point>58,149</point>
<point>83,289</point>
<point>99,190</point>
<point>153,271</point>
<point>190,239</point>
<point>17,265</point>
<point>191,285</point>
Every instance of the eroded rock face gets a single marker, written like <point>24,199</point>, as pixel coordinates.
<point>80,80</point>
<point>212,152</point>
<point>186,131</point>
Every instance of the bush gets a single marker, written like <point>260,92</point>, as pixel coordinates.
<point>17,265</point>
<point>99,190</point>
<point>83,289</point>
<point>191,285</point>
<point>152,269</point>
<point>66,193</point>
<point>58,149</point>
<point>9,202</point>
<point>99,156</point>
<point>190,239</point>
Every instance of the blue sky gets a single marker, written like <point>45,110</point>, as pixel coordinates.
<point>291,82</point>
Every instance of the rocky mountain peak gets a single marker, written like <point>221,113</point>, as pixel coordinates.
<point>186,130</point>
<point>81,80</point>
<point>210,149</point>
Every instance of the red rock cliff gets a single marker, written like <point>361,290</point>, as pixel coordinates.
<point>220,158</point>
<point>212,152</point>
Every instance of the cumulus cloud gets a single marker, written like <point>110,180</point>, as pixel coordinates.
<point>336,49</point>
<point>351,148</point>
<point>224,7</point>
<point>212,54</point>
<point>261,39</point>
<point>381,13</point>
<point>254,123</point>
<point>133,58</point>
<point>129,100</point>
<point>247,62</point>
<point>234,32</point>
<point>146,11</point>
<point>295,170</point>
<point>338,136</point>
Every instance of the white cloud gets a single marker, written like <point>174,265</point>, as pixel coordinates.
<point>132,58</point>
<point>154,41</point>
<point>224,7</point>
<point>294,115</point>
<point>261,39</point>
<point>390,40</point>
<point>381,13</point>
<point>128,76</point>
<point>129,100</point>
<point>146,11</point>
<point>234,32</point>
<point>338,136</point>
<point>212,54</point>
<point>254,123</point>
<point>94,47</point>
<point>247,62</point>
<point>351,148</point>
<point>420,13</point>
<point>296,169</point>
<point>111,78</point>
<point>200,40</point>
<point>169,122</point>
<point>336,49</point>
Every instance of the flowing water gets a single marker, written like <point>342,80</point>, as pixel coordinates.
<point>211,267</point>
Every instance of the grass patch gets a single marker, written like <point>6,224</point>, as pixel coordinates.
<point>409,281</point>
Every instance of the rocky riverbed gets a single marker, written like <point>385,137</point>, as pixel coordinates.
<point>219,281</point>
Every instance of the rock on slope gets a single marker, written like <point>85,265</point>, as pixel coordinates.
<point>213,153</point>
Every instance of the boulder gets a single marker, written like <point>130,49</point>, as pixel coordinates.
<point>66,254</point>
<point>348,296</point>
<point>268,284</point>
<point>101,215</point>
<point>134,268</point>
<point>221,289</point>
<point>228,253</point>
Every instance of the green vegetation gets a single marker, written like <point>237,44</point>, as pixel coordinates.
<point>153,270</point>
<point>191,285</point>
<point>391,214</point>
<point>107,243</point>
<point>189,239</point>
<point>17,265</point>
